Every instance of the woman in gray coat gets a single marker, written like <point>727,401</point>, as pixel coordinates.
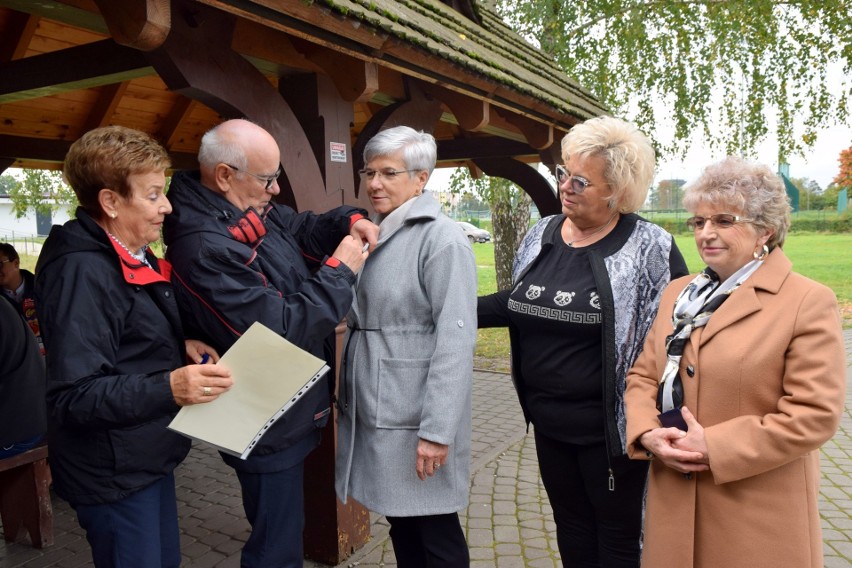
<point>404,397</point>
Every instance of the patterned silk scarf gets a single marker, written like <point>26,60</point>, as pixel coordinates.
<point>693,308</point>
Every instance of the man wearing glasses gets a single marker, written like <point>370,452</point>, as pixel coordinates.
<point>17,285</point>
<point>238,257</point>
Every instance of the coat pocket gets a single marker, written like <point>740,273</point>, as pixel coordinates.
<point>401,388</point>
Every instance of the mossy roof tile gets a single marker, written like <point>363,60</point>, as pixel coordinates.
<point>491,49</point>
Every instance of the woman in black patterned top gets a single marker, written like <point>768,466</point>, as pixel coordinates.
<point>586,286</point>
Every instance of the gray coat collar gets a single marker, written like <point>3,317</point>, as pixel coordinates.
<point>423,207</point>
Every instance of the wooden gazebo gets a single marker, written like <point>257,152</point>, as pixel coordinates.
<point>322,76</point>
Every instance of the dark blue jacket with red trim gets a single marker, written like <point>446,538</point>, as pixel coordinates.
<point>233,268</point>
<point>113,335</point>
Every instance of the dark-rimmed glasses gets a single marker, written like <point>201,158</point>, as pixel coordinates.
<point>268,181</point>
<point>578,183</point>
<point>387,173</point>
<point>719,220</point>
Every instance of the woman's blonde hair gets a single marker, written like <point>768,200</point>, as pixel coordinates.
<point>629,156</point>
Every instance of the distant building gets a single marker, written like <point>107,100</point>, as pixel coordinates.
<point>31,225</point>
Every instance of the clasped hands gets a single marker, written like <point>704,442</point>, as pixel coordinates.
<point>685,452</point>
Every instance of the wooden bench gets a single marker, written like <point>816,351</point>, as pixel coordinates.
<point>25,507</point>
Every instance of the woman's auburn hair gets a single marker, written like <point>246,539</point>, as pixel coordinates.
<point>105,157</point>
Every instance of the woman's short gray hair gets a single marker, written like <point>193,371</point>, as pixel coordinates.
<point>736,185</point>
<point>629,156</point>
<point>419,150</point>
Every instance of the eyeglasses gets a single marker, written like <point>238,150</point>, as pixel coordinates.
<point>578,184</point>
<point>720,221</point>
<point>387,173</point>
<point>2,262</point>
<point>268,180</point>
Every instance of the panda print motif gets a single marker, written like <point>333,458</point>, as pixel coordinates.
<point>534,292</point>
<point>563,298</point>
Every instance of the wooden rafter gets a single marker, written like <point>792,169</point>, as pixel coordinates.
<point>180,111</point>
<point>108,99</point>
<point>84,66</point>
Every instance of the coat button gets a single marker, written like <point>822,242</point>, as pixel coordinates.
<point>461,323</point>
<point>168,294</point>
<point>130,276</point>
<point>690,370</point>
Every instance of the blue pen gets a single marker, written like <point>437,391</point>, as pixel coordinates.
<point>204,358</point>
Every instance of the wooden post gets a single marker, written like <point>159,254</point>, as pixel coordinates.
<point>333,531</point>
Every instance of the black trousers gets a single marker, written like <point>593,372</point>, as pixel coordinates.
<point>429,541</point>
<point>595,527</point>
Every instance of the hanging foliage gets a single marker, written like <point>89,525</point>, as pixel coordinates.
<point>734,71</point>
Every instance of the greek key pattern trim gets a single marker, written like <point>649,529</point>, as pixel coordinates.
<point>555,314</point>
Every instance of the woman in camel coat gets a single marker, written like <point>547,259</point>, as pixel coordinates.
<point>763,387</point>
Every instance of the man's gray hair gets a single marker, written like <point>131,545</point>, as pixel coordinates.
<point>217,148</point>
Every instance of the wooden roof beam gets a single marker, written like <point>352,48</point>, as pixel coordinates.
<point>51,150</point>
<point>141,24</point>
<point>60,12</point>
<point>464,149</point>
<point>82,67</point>
<point>46,149</point>
<point>16,36</point>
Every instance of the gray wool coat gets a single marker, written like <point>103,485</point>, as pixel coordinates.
<point>408,368</point>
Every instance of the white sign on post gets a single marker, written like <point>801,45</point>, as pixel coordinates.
<point>338,151</point>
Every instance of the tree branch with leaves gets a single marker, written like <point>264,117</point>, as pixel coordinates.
<point>733,70</point>
<point>510,216</point>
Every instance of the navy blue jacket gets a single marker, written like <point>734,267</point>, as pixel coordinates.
<point>22,410</point>
<point>112,332</point>
<point>233,268</point>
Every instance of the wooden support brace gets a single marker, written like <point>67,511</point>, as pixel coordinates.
<point>538,134</point>
<point>525,177</point>
<point>140,24</point>
<point>471,114</point>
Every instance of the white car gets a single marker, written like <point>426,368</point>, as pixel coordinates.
<point>474,234</point>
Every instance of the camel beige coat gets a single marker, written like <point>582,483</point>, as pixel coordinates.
<point>769,388</point>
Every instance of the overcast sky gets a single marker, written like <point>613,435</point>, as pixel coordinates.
<point>820,163</point>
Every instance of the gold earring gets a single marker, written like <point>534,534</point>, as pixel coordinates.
<point>760,254</point>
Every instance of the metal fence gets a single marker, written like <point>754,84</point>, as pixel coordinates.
<point>24,243</point>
